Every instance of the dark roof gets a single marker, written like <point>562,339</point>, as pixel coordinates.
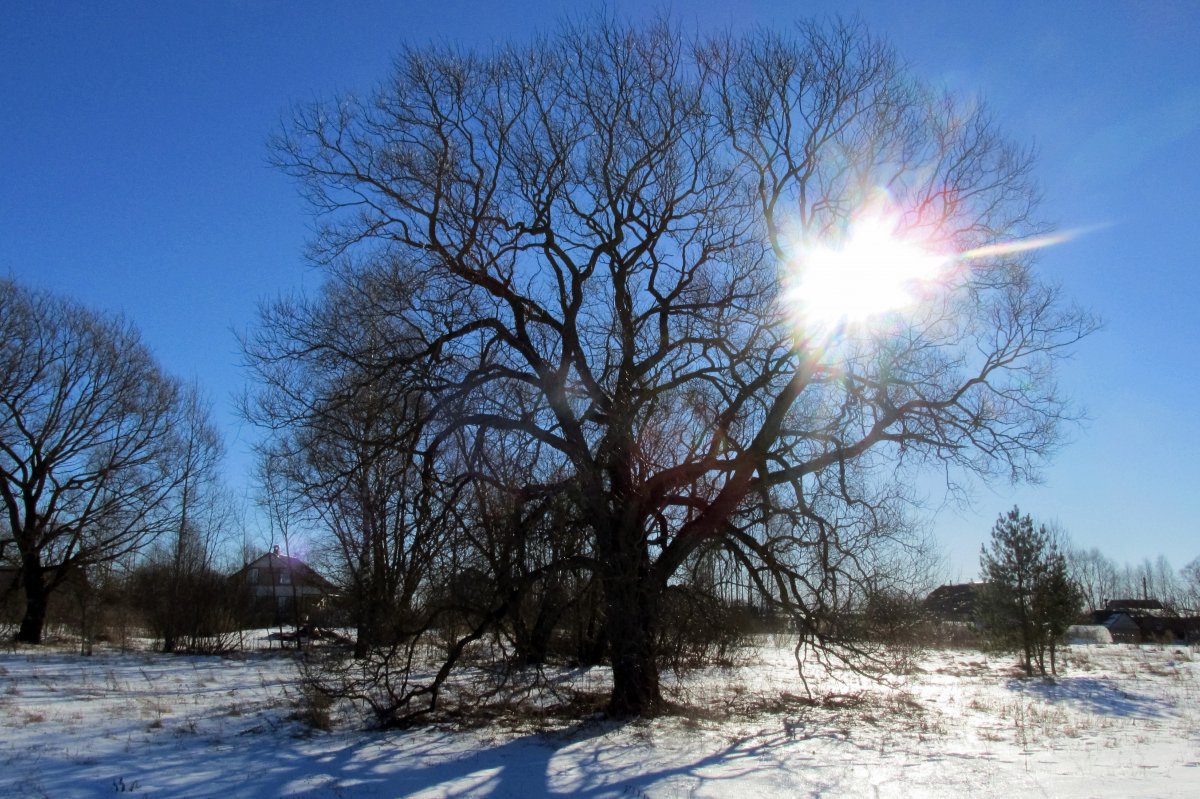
<point>1181,628</point>
<point>956,602</point>
<point>276,563</point>
<point>1120,621</point>
<point>1114,605</point>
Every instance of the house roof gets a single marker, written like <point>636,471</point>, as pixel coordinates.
<point>955,601</point>
<point>1132,604</point>
<point>1121,621</point>
<point>278,563</point>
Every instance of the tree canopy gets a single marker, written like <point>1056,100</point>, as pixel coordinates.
<point>90,433</point>
<point>587,257</point>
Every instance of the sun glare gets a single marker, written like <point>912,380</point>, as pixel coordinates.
<point>873,270</point>
<point>876,268</point>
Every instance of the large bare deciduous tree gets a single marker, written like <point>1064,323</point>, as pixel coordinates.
<point>597,248</point>
<point>89,445</point>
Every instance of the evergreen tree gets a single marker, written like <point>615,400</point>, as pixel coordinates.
<point>1057,600</point>
<point>1029,600</point>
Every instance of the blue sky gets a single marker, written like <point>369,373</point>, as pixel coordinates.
<point>133,177</point>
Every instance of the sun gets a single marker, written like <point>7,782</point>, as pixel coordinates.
<point>872,270</point>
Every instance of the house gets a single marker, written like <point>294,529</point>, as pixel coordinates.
<point>955,602</point>
<point>1169,629</point>
<point>282,588</point>
<point>1137,621</point>
<point>1123,627</point>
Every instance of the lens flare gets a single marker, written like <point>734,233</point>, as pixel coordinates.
<point>1022,245</point>
<point>875,269</point>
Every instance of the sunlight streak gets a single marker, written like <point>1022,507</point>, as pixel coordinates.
<point>1023,245</point>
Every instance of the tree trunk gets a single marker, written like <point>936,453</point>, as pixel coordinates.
<point>370,616</point>
<point>362,641</point>
<point>632,604</point>
<point>366,636</point>
<point>636,689</point>
<point>36,597</point>
<point>87,620</point>
<point>1027,643</point>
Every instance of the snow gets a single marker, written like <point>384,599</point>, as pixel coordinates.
<point>1089,634</point>
<point>1122,721</point>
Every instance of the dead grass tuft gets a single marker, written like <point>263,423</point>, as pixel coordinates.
<point>312,708</point>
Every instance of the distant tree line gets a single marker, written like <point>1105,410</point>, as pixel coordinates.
<point>1101,579</point>
<point>1035,586</point>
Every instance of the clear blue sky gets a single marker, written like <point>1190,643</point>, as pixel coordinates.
<point>133,177</point>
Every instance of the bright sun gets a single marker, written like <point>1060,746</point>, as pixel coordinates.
<point>873,270</point>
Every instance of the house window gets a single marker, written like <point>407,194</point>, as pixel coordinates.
<point>254,576</point>
<point>285,578</point>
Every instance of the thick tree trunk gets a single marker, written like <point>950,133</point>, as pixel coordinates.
<point>371,613</point>
<point>632,605</point>
<point>362,641</point>
<point>636,690</point>
<point>36,597</point>
<point>1027,645</point>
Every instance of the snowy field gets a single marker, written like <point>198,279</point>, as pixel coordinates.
<point>1123,721</point>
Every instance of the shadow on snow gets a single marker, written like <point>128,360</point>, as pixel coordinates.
<point>1091,694</point>
<point>420,763</point>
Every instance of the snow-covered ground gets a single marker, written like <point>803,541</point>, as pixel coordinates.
<point>1123,721</point>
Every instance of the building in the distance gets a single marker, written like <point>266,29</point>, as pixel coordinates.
<point>283,589</point>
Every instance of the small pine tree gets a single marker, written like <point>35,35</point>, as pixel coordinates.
<point>1056,603</point>
<point>1029,600</point>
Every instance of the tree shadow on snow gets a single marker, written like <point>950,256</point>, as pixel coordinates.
<point>591,759</point>
<point>1098,696</point>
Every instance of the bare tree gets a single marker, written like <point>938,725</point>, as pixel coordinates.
<point>588,243</point>
<point>1163,582</point>
<point>345,447</point>
<point>1095,574</point>
<point>1190,588</point>
<point>284,510</point>
<point>88,445</point>
<point>201,509</point>
<point>181,585</point>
